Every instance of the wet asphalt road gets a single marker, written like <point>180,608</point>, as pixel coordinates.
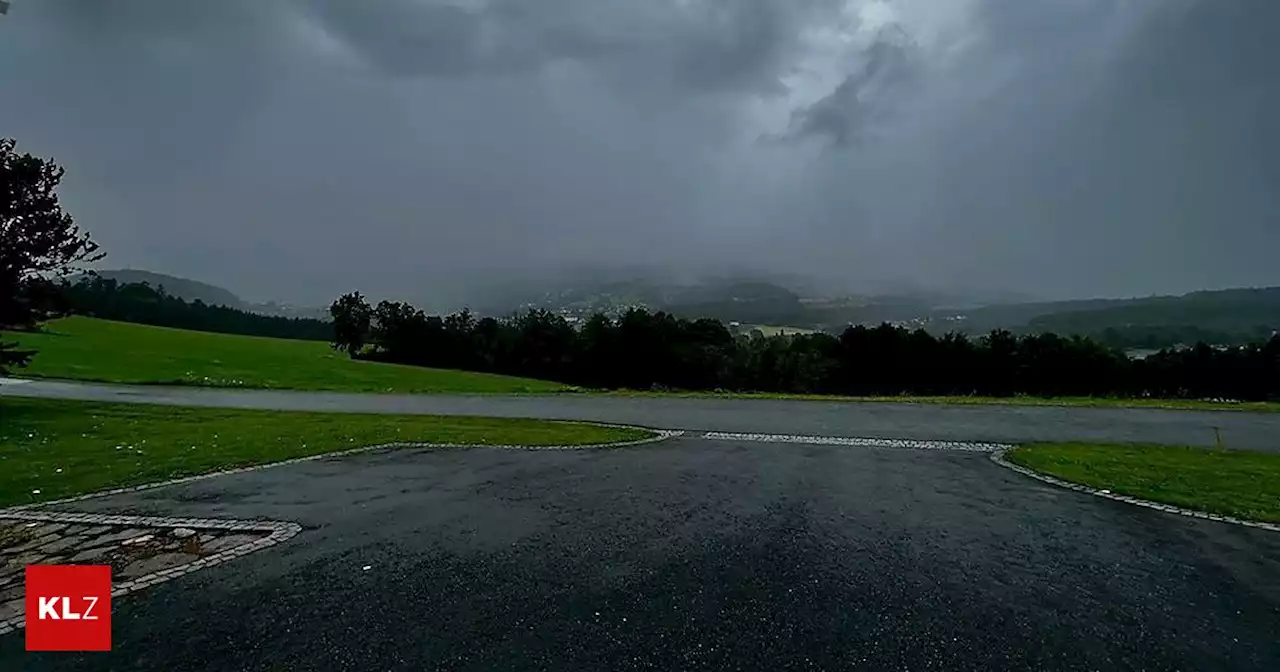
<point>692,554</point>
<point>1007,424</point>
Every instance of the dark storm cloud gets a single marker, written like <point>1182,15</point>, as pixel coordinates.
<point>703,44</point>
<point>424,148</point>
<point>863,97</point>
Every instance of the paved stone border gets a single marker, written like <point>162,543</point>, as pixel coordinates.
<point>659,435</point>
<point>998,458</point>
<point>278,531</point>
<point>914,444</point>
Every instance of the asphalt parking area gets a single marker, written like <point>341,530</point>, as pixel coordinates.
<point>692,553</point>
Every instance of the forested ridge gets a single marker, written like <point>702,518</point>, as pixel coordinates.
<point>645,350</point>
<point>140,302</point>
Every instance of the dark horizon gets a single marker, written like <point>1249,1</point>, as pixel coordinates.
<point>510,290</point>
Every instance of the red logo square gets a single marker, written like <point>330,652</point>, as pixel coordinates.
<point>68,608</point>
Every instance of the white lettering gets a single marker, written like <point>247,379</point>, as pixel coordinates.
<point>93,602</point>
<point>49,609</point>
<point>46,608</point>
<point>67,614</point>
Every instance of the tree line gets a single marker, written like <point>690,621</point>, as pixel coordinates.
<point>647,350</point>
<point>106,298</point>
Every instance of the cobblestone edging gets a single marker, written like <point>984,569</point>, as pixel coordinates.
<point>914,444</point>
<point>277,532</point>
<point>659,435</point>
<point>998,458</point>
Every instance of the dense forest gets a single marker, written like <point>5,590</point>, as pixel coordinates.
<point>644,350</point>
<point>140,302</point>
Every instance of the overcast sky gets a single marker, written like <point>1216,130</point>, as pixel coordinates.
<point>297,149</point>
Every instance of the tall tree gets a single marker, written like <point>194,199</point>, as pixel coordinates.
<point>352,321</point>
<point>38,242</point>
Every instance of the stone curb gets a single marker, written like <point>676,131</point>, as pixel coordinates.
<point>659,435</point>
<point>278,531</point>
<point>914,444</point>
<point>998,458</point>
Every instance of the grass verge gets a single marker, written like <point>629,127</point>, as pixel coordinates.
<point>1234,483</point>
<point>84,348</point>
<point>51,449</point>
<point>1080,402</point>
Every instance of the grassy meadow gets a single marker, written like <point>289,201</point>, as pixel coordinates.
<point>84,348</point>
<point>1233,483</point>
<point>51,449</point>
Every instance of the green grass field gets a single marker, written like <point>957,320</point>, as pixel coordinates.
<point>1233,483</point>
<point>83,348</point>
<point>51,449</point>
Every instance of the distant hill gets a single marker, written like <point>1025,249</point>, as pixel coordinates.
<point>748,301</point>
<point>182,288</point>
<point>1232,314</point>
<point>1220,317</point>
<point>748,298</point>
<point>723,299</point>
<point>193,290</point>
<point>1223,309</point>
<point>1229,316</point>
